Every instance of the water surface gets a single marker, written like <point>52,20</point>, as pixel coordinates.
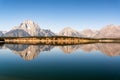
<point>34,62</point>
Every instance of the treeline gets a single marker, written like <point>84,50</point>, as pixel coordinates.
<point>58,37</point>
<point>2,39</point>
<point>43,37</point>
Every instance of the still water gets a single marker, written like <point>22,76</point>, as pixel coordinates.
<point>70,62</point>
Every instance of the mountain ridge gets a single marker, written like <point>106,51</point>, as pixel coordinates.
<point>30,28</point>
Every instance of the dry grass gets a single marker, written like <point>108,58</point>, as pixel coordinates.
<point>56,40</point>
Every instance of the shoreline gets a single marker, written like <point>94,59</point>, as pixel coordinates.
<point>56,40</point>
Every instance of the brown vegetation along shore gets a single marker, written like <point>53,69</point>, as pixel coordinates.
<point>56,40</point>
<point>48,40</point>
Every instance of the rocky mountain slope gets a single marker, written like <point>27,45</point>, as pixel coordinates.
<point>109,31</point>
<point>70,32</point>
<point>1,34</point>
<point>89,33</point>
<point>16,33</point>
<point>30,28</point>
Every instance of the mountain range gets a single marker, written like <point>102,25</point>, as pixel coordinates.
<point>30,28</point>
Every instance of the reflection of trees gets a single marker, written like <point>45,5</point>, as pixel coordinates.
<point>29,52</point>
<point>17,47</point>
<point>1,46</point>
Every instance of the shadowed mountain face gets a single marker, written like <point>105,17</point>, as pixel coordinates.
<point>1,34</point>
<point>16,33</point>
<point>29,52</point>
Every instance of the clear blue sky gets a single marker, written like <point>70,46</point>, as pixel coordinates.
<point>57,14</point>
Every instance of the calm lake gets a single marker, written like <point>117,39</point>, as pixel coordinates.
<point>99,61</point>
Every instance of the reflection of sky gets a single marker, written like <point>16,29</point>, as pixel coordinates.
<point>56,14</point>
<point>56,63</point>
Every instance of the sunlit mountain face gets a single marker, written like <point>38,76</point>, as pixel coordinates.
<point>26,29</point>
<point>30,28</point>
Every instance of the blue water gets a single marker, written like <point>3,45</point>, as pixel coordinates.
<point>53,63</point>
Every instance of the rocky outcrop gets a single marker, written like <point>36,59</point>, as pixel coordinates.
<point>29,26</point>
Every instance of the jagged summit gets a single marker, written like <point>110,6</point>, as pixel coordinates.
<point>68,28</point>
<point>29,24</point>
<point>33,29</point>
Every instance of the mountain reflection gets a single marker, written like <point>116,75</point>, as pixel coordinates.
<point>110,49</point>
<point>29,52</point>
